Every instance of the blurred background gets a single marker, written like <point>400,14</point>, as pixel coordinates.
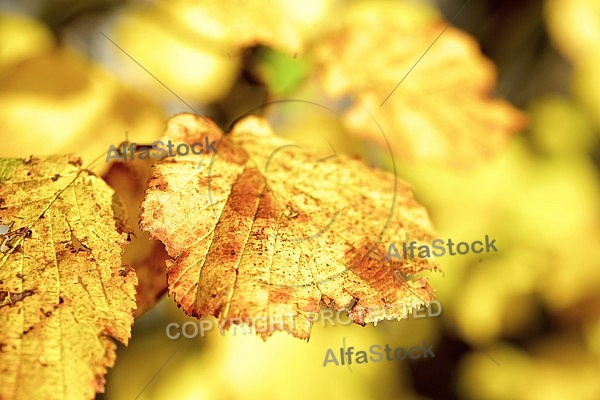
<point>523,323</point>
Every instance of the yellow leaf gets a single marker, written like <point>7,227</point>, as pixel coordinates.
<point>63,292</point>
<point>442,111</point>
<point>86,107</point>
<point>574,27</point>
<point>280,24</point>
<point>198,75</point>
<point>206,41</point>
<point>275,230</point>
<point>22,38</point>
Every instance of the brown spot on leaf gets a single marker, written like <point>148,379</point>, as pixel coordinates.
<point>157,182</point>
<point>76,245</point>
<point>231,153</point>
<point>15,297</point>
<point>75,160</point>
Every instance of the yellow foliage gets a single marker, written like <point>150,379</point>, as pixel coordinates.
<point>22,37</point>
<point>85,107</point>
<point>574,26</point>
<point>560,127</point>
<point>442,112</point>
<point>540,205</point>
<point>184,62</point>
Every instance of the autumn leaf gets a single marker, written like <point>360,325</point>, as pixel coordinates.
<point>442,111</point>
<point>245,24</point>
<point>278,230</point>
<point>574,27</point>
<point>63,293</point>
<point>22,37</point>
<point>89,107</point>
<point>210,38</point>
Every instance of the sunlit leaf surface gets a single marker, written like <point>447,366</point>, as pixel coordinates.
<point>276,230</point>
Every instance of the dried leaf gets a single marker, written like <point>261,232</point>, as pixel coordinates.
<point>62,296</point>
<point>278,230</point>
<point>442,111</point>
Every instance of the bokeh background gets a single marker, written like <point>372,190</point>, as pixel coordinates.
<point>523,323</point>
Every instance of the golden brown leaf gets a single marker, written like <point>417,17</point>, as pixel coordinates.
<point>278,230</point>
<point>442,111</point>
<point>63,294</point>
